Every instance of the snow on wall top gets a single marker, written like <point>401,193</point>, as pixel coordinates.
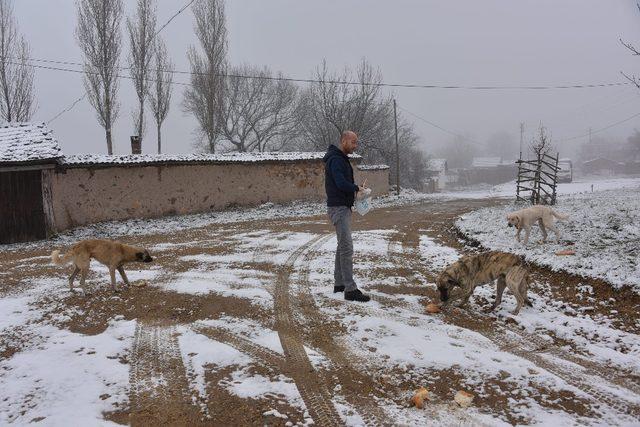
<point>372,167</point>
<point>27,142</point>
<point>34,143</point>
<point>79,160</point>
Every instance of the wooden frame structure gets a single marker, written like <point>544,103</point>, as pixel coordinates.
<point>537,179</point>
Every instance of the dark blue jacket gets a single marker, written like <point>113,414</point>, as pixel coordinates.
<point>338,178</point>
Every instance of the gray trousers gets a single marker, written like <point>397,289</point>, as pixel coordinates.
<point>340,217</point>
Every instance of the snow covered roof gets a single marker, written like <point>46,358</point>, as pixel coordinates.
<point>439,165</point>
<point>490,162</point>
<point>601,160</point>
<point>79,160</point>
<point>372,167</point>
<point>485,162</point>
<point>24,143</point>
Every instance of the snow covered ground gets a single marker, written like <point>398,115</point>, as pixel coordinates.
<point>580,185</point>
<point>603,228</point>
<point>57,376</point>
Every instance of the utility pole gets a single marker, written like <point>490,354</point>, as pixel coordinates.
<point>395,118</point>
<point>521,137</point>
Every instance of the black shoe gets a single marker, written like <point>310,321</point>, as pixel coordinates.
<point>338,289</point>
<point>356,296</point>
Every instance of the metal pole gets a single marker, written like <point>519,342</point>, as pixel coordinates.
<point>395,118</point>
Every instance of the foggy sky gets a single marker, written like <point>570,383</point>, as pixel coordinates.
<point>465,42</point>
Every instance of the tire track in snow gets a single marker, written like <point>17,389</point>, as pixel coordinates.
<point>160,391</point>
<point>312,390</point>
<point>368,409</point>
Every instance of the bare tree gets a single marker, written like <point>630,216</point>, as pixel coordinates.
<point>353,100</point>
<point>141,34</point>
<point>16,76</point>
<point>334,105</point>
<point>204,98</point>
<point>98,33</point>
<point>258,114</point>
<point>160,89</point>
<point>633,79</point>
<point>542,145</point>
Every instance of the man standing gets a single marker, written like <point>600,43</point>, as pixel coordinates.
<point>341,192</point>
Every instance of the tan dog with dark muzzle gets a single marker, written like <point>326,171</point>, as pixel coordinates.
<point>543,215</point>
<point>112,254</point>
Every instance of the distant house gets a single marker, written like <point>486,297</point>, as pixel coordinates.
<point>486,162</point>
<point>437,172</point>
<point>489,170</point>
<point>603,166</point>
<point>632,168</point>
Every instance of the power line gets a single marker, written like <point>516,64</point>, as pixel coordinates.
<point>403,109</point>
<point>68,108</point>
<point>472,141</point>
<point>119,76</point>
<point>591,132</point>
<point>70,70</point>
<point>186,6</point>
<point>600,130</point>
<point>352,83</point>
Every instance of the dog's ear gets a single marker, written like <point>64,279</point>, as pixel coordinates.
<point>139,256</point>
<point>146,256</point>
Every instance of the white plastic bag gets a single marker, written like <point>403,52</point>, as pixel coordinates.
<point>363,202</point>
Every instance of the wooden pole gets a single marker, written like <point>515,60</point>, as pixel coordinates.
<point>395,118</point>
<point>521,138</point>
<point>555,180</point>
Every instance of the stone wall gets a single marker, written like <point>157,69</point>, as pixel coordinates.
<point>88,194</point>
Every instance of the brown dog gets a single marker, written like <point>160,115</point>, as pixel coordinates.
<point>112,254</point>
<point>475,270</point>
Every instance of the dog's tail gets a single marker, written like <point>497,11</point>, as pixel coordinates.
<point>59,260</point>
<point>558,215</point>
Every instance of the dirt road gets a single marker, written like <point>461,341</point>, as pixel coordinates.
<point>259,292</point>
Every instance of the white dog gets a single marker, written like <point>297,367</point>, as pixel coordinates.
<point>525,218</point>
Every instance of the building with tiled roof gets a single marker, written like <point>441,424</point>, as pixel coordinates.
<point>44,192</point>
<point>26,143</point>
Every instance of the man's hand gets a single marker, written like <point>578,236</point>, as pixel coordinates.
<point>363,191</point>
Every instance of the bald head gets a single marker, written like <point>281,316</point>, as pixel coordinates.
<point>347,134</point>
<point>348,141</point>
